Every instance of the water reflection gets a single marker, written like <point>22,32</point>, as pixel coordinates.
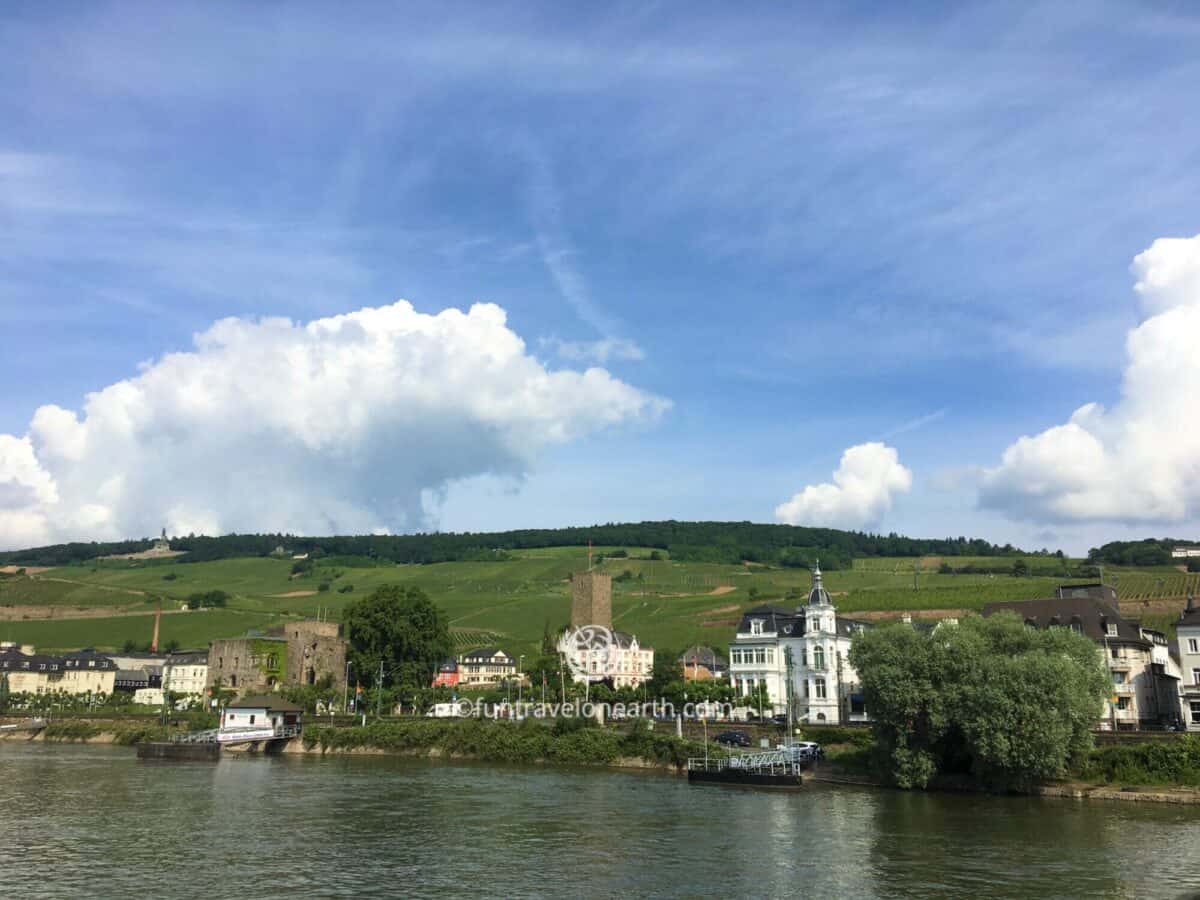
<point>93,820</point>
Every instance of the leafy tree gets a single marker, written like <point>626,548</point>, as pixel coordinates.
<point>4,694</point>
<point>207,599</point>
<point>400,626</point>
<point>666,678</point>
<point>545,665</point>
<point>1007,704</point>
<point>1020,568</point>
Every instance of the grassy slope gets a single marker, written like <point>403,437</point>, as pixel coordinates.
<point>674,604</point>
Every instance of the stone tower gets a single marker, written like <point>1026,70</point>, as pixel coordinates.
<point>591,599</point>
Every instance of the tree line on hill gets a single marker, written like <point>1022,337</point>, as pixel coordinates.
<point>712,542</point>
<point>1147,552</point>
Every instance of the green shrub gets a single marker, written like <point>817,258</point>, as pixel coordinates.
<point>1157,762</point>
<point>573,741</point>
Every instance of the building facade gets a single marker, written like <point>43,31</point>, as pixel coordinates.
<point>85,672</point>
<point>1145,678</point>
<point>485,667</point>
<point>801,658</point>
<point>703,664</point>
<point>446,674</point>
<point>186,674</point>
<point>1188,631</point>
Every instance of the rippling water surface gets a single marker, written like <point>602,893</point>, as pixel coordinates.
<point>94,821</point>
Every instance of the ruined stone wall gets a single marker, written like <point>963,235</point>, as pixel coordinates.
<point>248,665</point>
<point>315,651</point>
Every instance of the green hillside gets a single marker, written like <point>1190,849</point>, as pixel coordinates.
<point>510,601</point>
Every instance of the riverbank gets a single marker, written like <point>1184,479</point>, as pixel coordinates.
<point>567,742</point>
<point>82,732</point>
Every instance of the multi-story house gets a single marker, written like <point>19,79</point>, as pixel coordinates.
<point>186,674</point>
<point>1144,676</point>
<point>86,672</point>
<point>801,657</point>
<point>485,666</point>
<point>630,663</point>
<point>1188,630</point>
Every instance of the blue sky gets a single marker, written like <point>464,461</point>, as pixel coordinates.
<point>802,230</point>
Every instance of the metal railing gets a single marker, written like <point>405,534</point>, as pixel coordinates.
<point>231,735</point>
<point>771,761</point>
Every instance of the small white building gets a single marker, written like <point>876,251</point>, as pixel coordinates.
<point>802,657</point>
<point>258,718</point>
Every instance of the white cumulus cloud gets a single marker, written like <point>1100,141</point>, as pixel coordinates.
<point>1140,460</point>
<point>354,423</point>
<point>867,478</point>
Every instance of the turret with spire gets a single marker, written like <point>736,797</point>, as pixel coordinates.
<point>818,596</point>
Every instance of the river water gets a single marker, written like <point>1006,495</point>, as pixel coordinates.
<point>94,821</point>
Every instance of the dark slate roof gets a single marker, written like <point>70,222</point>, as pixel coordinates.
<point>13,660</point>
<point>1190,616</point>
<point>449,664</point>
<point>265,701</point>
<point>775,619</point>
<point>851,627</point>
<point>484,654</point>
<point>82,659</point>
<point>188,658</point>
<point>1091,615</point>
<point>625,639</point>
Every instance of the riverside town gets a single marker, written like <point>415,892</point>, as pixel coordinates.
<point>583,450</point>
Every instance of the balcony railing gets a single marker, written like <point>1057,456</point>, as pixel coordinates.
<point>1124,687</point>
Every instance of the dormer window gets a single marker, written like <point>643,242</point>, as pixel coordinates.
<point>756,626</point>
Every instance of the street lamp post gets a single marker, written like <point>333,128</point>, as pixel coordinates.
<point>520,679</point>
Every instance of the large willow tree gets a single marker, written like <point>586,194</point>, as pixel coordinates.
<point>1009,704</point>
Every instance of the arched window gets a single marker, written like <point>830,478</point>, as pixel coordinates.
<point>818,657</point>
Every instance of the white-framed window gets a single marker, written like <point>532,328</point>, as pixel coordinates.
<point>818,657</point>
<point>1112,629</point>
<point>1193,645</point>
<point>756,626</point>
<point>1195,676</point>
<point>771,654</point>
<point>819,688</point>
<point>1122,703</point>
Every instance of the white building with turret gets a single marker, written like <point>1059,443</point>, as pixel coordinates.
<point>802,658</point>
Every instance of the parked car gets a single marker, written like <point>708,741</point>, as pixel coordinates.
<point>733,739</point>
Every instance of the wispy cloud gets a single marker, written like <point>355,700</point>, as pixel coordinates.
<point>601,351</point>
<point>914,424</point>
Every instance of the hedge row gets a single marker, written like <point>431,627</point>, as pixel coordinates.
<point>567,742</point>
